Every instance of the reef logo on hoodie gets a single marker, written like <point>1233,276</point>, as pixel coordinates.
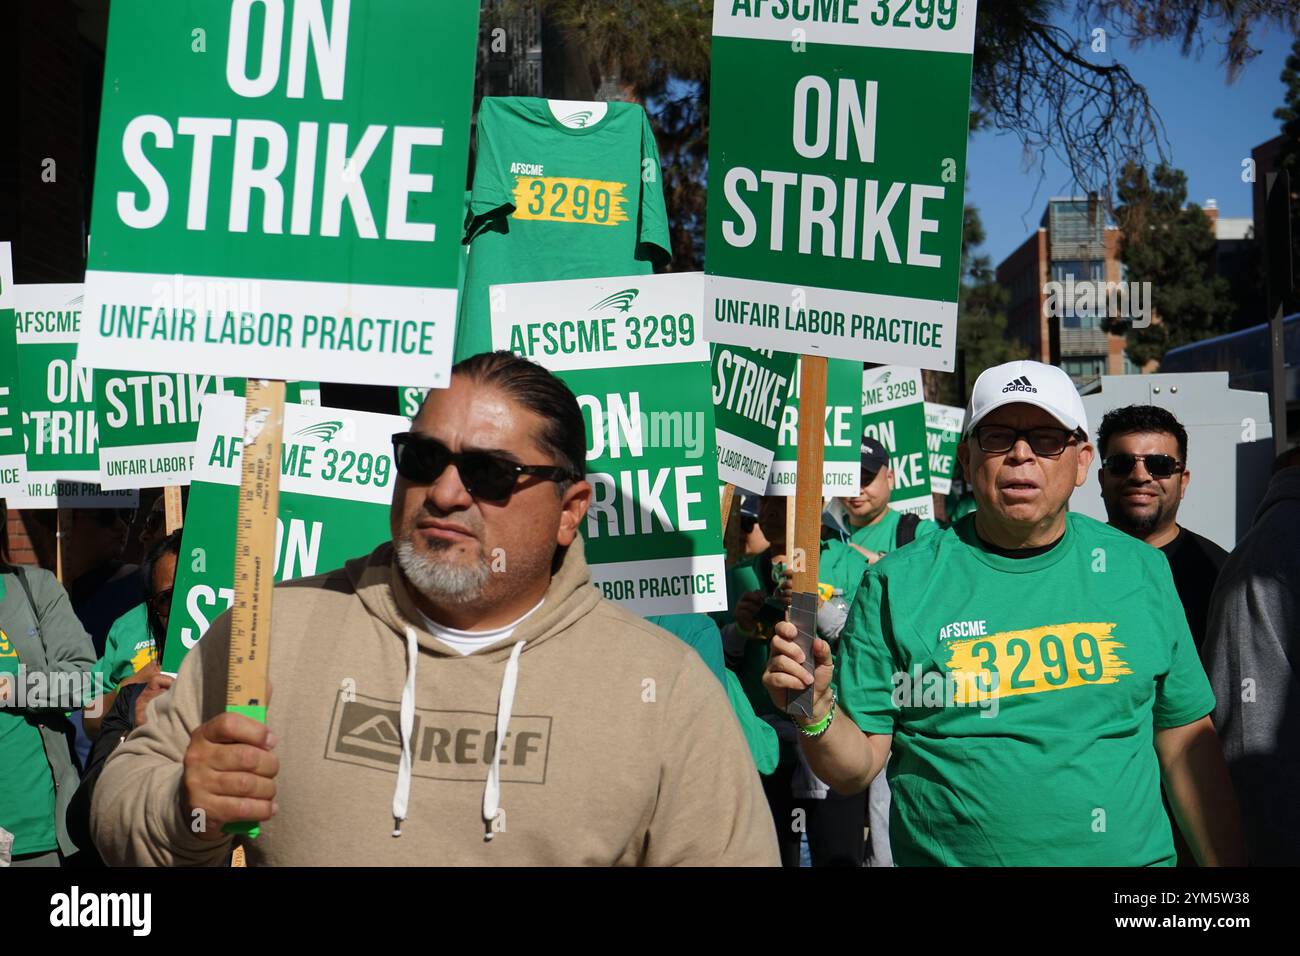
<point>445,744</point>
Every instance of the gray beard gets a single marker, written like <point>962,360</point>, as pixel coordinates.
<point>440,581</point>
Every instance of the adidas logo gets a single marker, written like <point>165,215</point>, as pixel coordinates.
<point>1021,384</point>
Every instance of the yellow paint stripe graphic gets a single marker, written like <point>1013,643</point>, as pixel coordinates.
<point>1036,660</point>
<point>142,658</point>
<point>592,202</point>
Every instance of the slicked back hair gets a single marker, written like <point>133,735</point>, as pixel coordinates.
<point>1141,418</point>
<point>564,432</point>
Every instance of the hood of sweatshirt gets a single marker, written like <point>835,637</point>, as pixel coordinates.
<point>835,517</point>
<point>1283,486</point>
<point>385,593</point>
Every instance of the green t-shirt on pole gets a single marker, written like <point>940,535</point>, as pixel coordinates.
<point>1023,695</point>
<point>552,202</point>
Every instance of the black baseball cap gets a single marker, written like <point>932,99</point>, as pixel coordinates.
<point>874,456</point>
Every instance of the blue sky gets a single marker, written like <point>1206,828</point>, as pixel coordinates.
<point>1210,126</point>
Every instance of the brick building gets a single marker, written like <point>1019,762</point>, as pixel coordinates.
<point>1073,243</point>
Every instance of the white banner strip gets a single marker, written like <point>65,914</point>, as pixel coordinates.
<point>67,492</point>
<point>328,452</point>
<point>314,333</point>
<point>839,479</point>
<point>873,326</point>
<point>665,585</point>
<point>742,463</point>
<point>941,26</point>
<point>146,466</point>
<point>574,324</point>
<point>13,474</point>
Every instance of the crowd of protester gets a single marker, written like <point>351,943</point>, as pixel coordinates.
<point>1109,694</point>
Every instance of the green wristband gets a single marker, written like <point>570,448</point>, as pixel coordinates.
<point>819,728</point>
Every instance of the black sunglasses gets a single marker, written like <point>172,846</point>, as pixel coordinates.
<point>422,459</point>
<point>1044,440</point>
<point>1158,466</point>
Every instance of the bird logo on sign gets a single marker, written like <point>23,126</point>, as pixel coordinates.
<point>325,431</point>
<point>619,300</point>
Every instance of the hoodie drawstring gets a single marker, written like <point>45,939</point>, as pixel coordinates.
<point>506,703</point>
<point>402,792</point>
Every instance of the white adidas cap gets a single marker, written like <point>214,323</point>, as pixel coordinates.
<point>1030,383</point>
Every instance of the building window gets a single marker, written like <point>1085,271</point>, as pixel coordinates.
<point>1084,369</point>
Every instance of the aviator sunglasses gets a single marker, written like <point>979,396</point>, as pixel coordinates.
<point>1158,466</point>
<point>422,459</point>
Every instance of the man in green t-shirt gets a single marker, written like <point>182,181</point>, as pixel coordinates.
<point>1031,669</point>
<point>858,531</point>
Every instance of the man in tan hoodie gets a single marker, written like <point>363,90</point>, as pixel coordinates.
<point>461,695</point>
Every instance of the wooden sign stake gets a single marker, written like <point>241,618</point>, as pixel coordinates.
<point>259,503</point>
<point>728,501</point>
<point>173,517</point>
<point>58,545</point>
<point>812,455</point>
<point>804,517</point>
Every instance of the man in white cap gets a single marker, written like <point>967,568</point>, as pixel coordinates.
<point>1030,668</point>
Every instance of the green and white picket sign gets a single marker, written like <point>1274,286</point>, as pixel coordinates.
<point>148,422</point>
<point>60,432</point>
<point>631,348</point>
<point>13,461</point>
<point>837,154</point>
<point>409,400</point>
<point>279,188</point>
<point>893,412</point>
<point>841,467</point>
<point>750,387</point>
<point>942,435</point>
<point>336,488</point>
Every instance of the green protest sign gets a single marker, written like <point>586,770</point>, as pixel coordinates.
<point>893,413</point>
<point>837,152</point>
<point>409,400</point>
<point>59,428</point>
<point>843,434</point>
<point>632,351</point>
<point>279,188</point>
<point>148,422</point>
<point>750,387</point>
<point>942,435</point>
<point>13,462</point>
<point>336,486</point>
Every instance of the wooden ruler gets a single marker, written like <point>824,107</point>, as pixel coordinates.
<point>173,516</point>
<point>259,504</point>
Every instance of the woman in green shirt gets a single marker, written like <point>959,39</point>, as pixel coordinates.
<point>45,654</point>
